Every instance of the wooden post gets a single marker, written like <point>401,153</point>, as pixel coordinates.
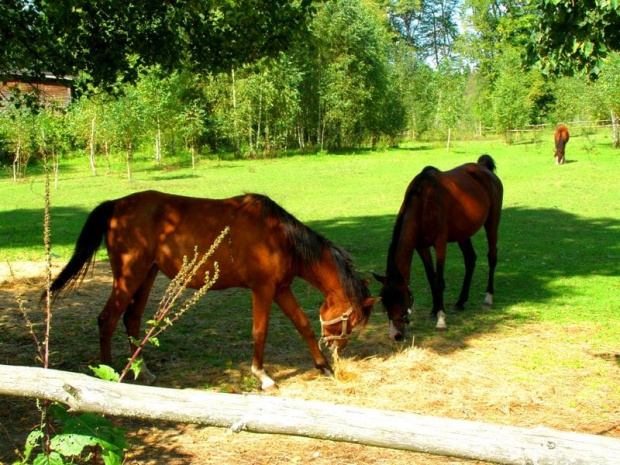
<point>277,415</point>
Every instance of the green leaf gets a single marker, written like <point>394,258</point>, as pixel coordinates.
<point>53,459</point>
<point>136,366</point>
<point>72,444</point>
<point>105,373</point>
<point>31,442</point>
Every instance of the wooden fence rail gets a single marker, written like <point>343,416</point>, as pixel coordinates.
<point>277,415</point>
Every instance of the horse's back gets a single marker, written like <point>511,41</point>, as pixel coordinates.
<point>160,229</point>
<point>561,135</point>
<point>469,195</point>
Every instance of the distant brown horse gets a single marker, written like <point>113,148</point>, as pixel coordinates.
<point>441,207</point>
<point>150,231</point>
<point>561,139</point>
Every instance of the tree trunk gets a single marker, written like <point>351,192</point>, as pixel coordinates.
<point>16,160</point>
<point>234,105</point>
<point>158,144</point>
<point>323,420</point>
<point>128,161</point>
<point>615,130</point>
<point>93,167</point>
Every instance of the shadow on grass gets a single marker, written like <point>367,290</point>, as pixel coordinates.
<point>210,347</point>
<point>537,249</point>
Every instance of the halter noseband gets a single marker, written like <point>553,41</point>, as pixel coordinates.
<point>344,318</point>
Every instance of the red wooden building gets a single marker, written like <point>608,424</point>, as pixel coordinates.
<point>49,89</point>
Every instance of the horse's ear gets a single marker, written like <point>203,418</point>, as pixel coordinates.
<point>370,301</point>
<point>379,278</point>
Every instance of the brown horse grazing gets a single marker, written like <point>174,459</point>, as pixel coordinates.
<point>561,139</point>
<point>441,207</point>
<point>150,231</point>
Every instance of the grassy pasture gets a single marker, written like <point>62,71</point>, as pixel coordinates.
<point>546,354</point>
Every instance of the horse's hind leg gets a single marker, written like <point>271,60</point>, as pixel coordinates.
<point>132,319</point>
<point>440,285</point>
<point>122,296</point>
<point>261,307</point>
<point>108,320</point>
<point>469,257</point>
<point>491,228</point>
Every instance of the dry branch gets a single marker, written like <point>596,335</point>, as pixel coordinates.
<point>276,415</point>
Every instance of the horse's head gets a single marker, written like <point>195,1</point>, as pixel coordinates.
<point>339,318</point>
<point>398,302</point>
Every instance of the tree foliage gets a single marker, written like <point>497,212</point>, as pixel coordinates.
<point>574,35</point>
<point>103,40</point>
<point>176,78</point>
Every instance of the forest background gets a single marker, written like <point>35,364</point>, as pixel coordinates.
<point>360,73</point>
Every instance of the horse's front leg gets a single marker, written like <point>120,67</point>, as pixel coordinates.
<point>469,257</point>
<point>261,308</point>
<point>429,270</point>
<point>440,285</point>
<point>289,305</point>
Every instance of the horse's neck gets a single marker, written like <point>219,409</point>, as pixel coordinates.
<point>323,275</point>
<point>401,249</point>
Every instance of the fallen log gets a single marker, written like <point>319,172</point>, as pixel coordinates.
<point>322,420</point>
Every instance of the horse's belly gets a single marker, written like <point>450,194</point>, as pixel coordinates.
<point>467,222</point>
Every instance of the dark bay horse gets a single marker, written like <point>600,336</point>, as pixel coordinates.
<point>150,231</point>
<point>441,207</point>
<point>561,139</point>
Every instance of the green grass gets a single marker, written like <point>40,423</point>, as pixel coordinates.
<point>559,250</point>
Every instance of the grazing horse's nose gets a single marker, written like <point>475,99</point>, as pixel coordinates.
<point>395,333</point>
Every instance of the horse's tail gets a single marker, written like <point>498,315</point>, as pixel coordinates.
<point>487,161</point>
<point>87,245</point>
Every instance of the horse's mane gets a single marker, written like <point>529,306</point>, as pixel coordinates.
<point>306,246</point>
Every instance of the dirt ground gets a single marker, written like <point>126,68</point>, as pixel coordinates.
<point>520,377</point>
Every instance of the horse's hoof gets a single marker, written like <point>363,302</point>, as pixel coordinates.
<point>146,377</point>
<point>327,372</point>
<point>458,307</point>
<point>271,388</point>
<point>442,329</point>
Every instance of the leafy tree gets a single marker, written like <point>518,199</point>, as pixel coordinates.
<point>511,99</point>
<point>125,118</point>
<point>103,40</point>
<point>451,86</point>
<point>417,89</point>
<point>427,26</point>
<point>574,35</point>
<point>607,89</point>
<point>490,28</point>
<point>21,130</point>
<point>349,72</point>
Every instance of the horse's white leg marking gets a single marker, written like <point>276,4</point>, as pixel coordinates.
<point>145,375</point>
<point>265,381</point>
<point>392,331</point>
<point>441,321</point>
<point>488,300</point>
